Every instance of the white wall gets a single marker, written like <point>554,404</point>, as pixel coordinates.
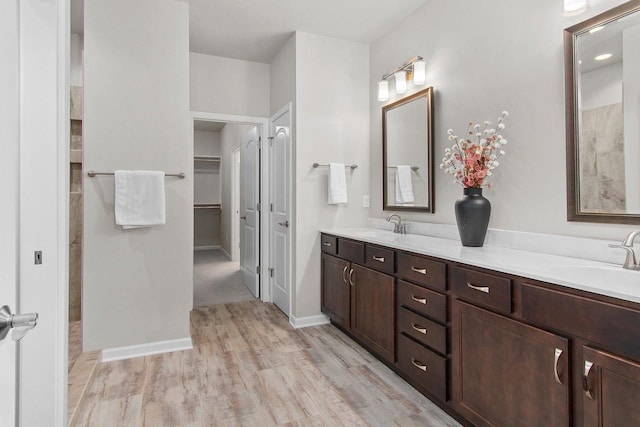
<point>137,283</point>
<point>282,82</point>
<point>513,64</point>
<point>332,125</point>
<point>600,87</point>
<point>77,46</point>
<point>228,86</point>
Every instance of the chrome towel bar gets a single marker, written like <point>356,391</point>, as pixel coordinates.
<point>180,175</point>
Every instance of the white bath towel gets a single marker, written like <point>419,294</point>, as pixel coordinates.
<point>139,198</point>
<point>337,184</point>
<point>404,186</point>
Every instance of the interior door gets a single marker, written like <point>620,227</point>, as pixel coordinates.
<point>250,245</point>
<point>9,139</point>
<point>280,221</point>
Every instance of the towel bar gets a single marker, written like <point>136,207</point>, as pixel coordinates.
<point>180,175</point>
<point>317,165</point>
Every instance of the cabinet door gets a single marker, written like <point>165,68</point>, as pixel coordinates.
<point>507,373</point>
<point>372,310</point>
<point>335,289</point>
<point>611,394</point>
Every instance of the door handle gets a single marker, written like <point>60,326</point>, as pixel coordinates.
<point>484,289</point>
<point>351,280</point>
<point>588,365</point>
<point>20,323</point>
<point>419,270</point>
<point>556,360</point>
<point>243,217</point>
<point>284,224</point>
<point>344,274</point>
<point>419,364</point>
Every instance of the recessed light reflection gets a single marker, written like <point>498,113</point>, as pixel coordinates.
<point>596,29</point>
<point>603,57</point>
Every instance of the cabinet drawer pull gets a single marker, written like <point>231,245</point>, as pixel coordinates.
<point>556,359</point>
<point>352,282</point>
<point>344,274</point>
<point>378,258</point>
<point>585,379</point>
<point>327,244</point>
<point>419,328</point>
<point>418,364</point>
<point>484,289</point>
<point>419,270</point>
<point>420,300</point>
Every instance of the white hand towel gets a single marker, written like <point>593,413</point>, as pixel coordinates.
<point>404,186</point>
<point>337,184</point>
<point>139,198</point>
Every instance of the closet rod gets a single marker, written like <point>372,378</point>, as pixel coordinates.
<point>318,165</point>
<point>180,175</point>
<point>413,168</point>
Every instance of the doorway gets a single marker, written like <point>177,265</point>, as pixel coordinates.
<point>226,178</point>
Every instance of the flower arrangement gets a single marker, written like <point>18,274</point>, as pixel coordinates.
<point>471,160</point>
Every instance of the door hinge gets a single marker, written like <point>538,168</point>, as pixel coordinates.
<point>271,272</point>
<point>271,138</point>
<point>258,207</point>
<point>257,269</point>
<point>259,142</point>
<point>271,207</point>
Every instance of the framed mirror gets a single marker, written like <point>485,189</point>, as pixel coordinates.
<point>407,153</point>
<point>602,83</point>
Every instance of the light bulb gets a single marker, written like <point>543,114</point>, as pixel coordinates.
<point>401,81</point>
<point>419,75</point>
<point>574,7</point>
<point>383,90</point>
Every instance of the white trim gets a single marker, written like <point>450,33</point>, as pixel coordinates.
<point>263,127</point>
<point>305,322</point>
<point>148,349</point>
<point>225,252</point>
<point>206,247</point>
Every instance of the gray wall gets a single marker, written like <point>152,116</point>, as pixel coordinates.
<point>137,283</point>
<point>477,71</point>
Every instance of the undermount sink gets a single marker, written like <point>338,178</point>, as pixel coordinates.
<point>612,276</point>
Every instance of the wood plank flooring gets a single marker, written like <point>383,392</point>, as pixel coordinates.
<point>249,367</point>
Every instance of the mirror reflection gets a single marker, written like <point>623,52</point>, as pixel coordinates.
<point>407,153</point>
<point>606,131</point>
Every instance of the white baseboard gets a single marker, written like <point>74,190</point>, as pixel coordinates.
<point>206,248</point>
<point>225,252</point>
<point>120,353</point>
<point>305,322</point>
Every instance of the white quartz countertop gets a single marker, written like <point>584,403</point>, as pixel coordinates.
<point>591,276</point>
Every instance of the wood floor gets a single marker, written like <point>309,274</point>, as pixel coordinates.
<point>249,367</point>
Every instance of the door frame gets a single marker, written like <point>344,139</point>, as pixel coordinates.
<point>263,127</point>
<point>235,205</point>
<point>288,107</point>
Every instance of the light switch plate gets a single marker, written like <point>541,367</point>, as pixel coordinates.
<point>365,201</point>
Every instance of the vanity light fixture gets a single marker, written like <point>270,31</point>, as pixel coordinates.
<point>603,57</point>
<point>413,69</point>
<point>574,7</point>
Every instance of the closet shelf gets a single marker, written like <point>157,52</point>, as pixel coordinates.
<point>199,158</point>
<point>207,206</point>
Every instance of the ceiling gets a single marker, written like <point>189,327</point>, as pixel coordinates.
<point>208,126</point>
<point>256,30</point>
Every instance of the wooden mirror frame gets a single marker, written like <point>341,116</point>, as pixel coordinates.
<point>428,95</point>
<point>572,123</point>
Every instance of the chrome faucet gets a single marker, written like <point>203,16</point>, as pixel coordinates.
<point>398,227</point>
<point>631,262</point>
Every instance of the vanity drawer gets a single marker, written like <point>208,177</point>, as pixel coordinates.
<point>351,250</point>
<point>423,330</point>
<point>422,271</point>
<point>608,325</point>
<point>329,244</point>
<point>425,367</point>
<point>380,259</point>
<point>422,301</point>
<point>485,289</point>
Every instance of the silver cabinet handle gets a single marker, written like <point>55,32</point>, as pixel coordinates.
<point>419,328</point>
<point>344,274</point>
<point>327,244</point>
<point>285,224</point>
<point>351,280</point>
<point>420,300</point>
<point>484,289</point>
<point>380,259</point>
<point>418,364</point>
<point>20,323</point>
<point>585,379</point>
<point>419,270</point>
<point>556,359</point>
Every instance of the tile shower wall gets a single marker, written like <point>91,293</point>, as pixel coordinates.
<point>75,207</point>
<point>602,172</point>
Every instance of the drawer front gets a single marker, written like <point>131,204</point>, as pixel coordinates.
<point>351,250</point>
<point>423,271</point>
<point>329,244</point>
<point>486,289</point>
<point>423,301</point>
<point>608,325</point>
<point>380,259</point>
<point>423,330</point>
<point>425,367</point>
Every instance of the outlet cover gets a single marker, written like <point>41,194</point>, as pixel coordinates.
<point>365,201</point>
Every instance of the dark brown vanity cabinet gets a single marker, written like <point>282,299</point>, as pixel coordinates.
<point>336,290</point>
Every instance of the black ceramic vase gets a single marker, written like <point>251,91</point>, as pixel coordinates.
<point>472,215</point>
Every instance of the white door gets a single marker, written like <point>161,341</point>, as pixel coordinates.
<point>250,246</point>
<point>9,140</point>
<point>235,206</point>
<point>280,221</point>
